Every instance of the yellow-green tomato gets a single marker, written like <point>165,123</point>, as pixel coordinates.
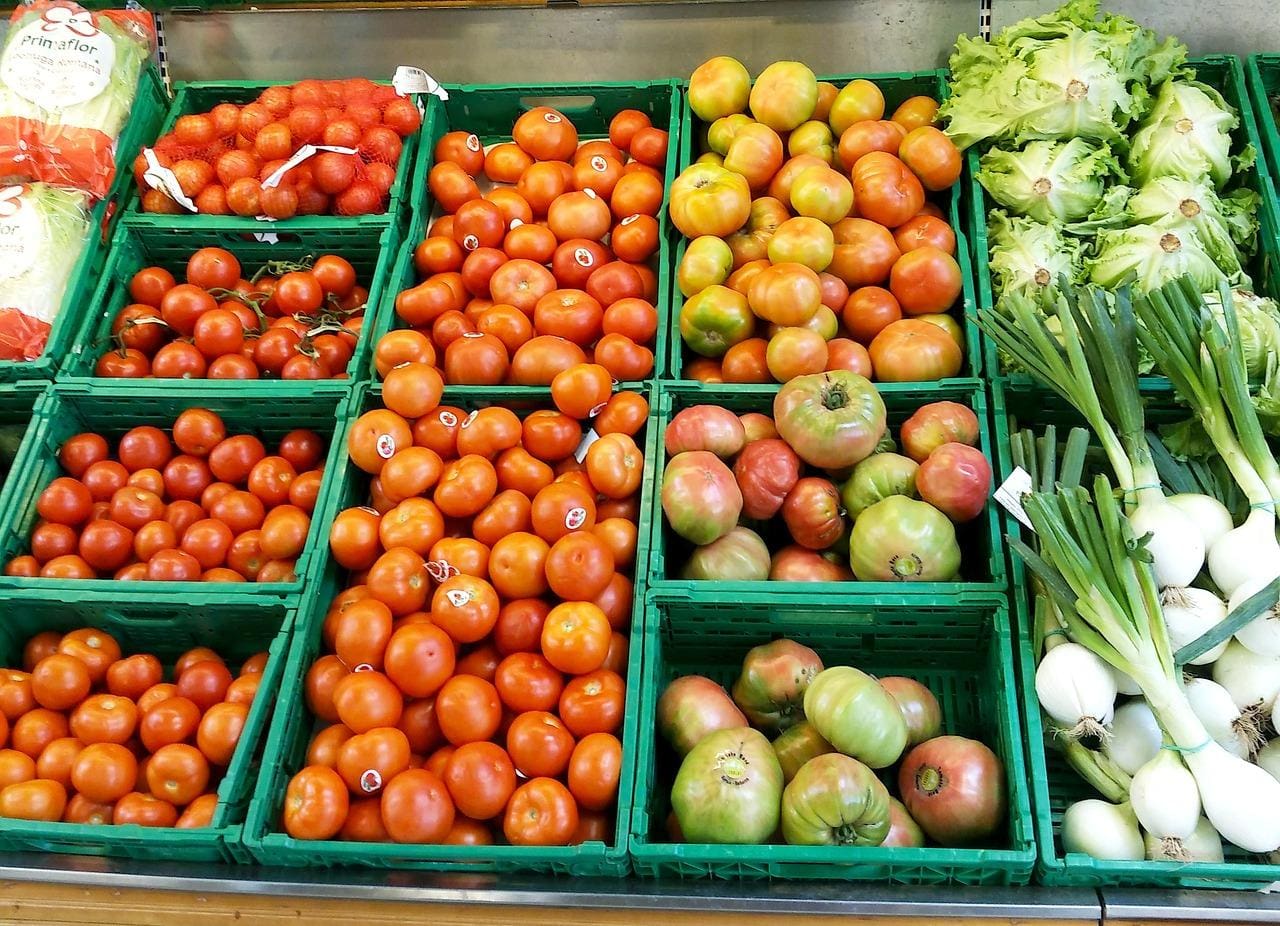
<point>856,101</point>
<point>714,320</point>
<point>835,801</point>
<point>798,745</point>
<point>803,240</point>
<point>822,193</point>
<point>718,87</point>
<point>729,789</point>
<point>722,132</point>
<point>707,261</point>
<point>812,137</point>
<point>854,714</point>
<point>784,95</point>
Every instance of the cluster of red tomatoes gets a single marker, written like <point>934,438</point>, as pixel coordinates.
<point>292,320</point>
<point>222,158</point>
<point>219,509</point>
<point>814,244</point>
<point>547,268</point>
<point>473,677</point>
<point>93,736</point>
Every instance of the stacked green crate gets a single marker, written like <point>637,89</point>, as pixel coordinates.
<point>253,625</point>
<point>266,410</point>
<point>1225,74</point>
<point>983,558</point>
<point>490,112</point>
<point>897,88</point>
<point>370,251</point>
<point>956,644</point>
<point>141,127</point>
<point>292,729</point>
<point>1054,784</point>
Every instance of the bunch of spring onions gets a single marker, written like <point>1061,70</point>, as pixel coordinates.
<point>1116,615</point>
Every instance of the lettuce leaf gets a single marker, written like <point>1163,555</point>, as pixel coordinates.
<point>1050,181</point>
<point>1149,256</point>
<point>1187,135</point>
<point>1068,74</point>
<point>1029,257</point>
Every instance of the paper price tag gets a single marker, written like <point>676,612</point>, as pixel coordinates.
<point>1010,494</point>
<point>409,80</point>
<point>267,237</point>
<point>299,156</point>
<point>588,439</point>
<point>159,177</point>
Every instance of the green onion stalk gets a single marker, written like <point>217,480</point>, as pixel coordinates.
<point>1195,348</point>
<point>1095,369</point>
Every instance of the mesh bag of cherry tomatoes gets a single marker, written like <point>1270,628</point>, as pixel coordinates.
<point>468,687</point>
<point>194,503</point>
<point>96,730</point>
<point>289,319</point>
<point>550,265</point>
<point>226,160</point>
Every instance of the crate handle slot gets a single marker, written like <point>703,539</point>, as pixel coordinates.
<point>579,104</point>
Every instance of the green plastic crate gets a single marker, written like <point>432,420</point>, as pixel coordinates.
<point>18,418</point>
<point>958,645</point>
<point>144,121</point>
<point>1224,73</point>
<point>896,87</point>
<point>166,631</point>
<point>1263,75</point>
<point>202,96</point>
<point>983,567</point>
<point>490,111</point>
<point>293,725</point>
<point>369,249</point>
<point>267,410</point>
<point>1054,785</point>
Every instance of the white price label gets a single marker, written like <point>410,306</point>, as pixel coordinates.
<point>267,237</point>
<point>159,177</point>
<point>585,444</point>
<point>299,156</point>
<point>1011,492</point>
<point>408,80</point>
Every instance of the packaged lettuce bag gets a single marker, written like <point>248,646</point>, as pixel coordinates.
<point>43,231</point>
<point>68,78</point>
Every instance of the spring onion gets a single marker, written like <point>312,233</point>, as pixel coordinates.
<point>1102,830</point>
<point>1135,736</point>
<point>1101,575</point>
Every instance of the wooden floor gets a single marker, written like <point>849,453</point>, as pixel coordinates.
<point>60,905</point>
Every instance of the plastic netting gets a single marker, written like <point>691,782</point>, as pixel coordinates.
<point>318,147</point>
<point>68,78</point>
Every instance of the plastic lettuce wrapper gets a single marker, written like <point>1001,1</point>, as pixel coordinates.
<point>43,231</point>
<point>1050,181</point>
<point>68,78</point>
<point>1028,257</point>
<point>1187,135</point>
<point>1148,256</point>
<point>1069,74</point>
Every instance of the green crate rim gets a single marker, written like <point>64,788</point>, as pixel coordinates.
<point>1013,865</point>
<point>193,392</point>
<point>272,847</point>
<point>396,201</point>
<point>212,843</point>
<point>148,108</point>
<point>975,355</point>
<point>80,360</point>
<point>1237,94</point>
<point>970,391</point>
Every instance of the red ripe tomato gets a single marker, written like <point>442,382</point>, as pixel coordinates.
<point>885,190</point>
<point>926,281</point>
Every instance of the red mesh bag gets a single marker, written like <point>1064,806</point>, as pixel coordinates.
<point>319,147</point>
<point>68,78</point>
